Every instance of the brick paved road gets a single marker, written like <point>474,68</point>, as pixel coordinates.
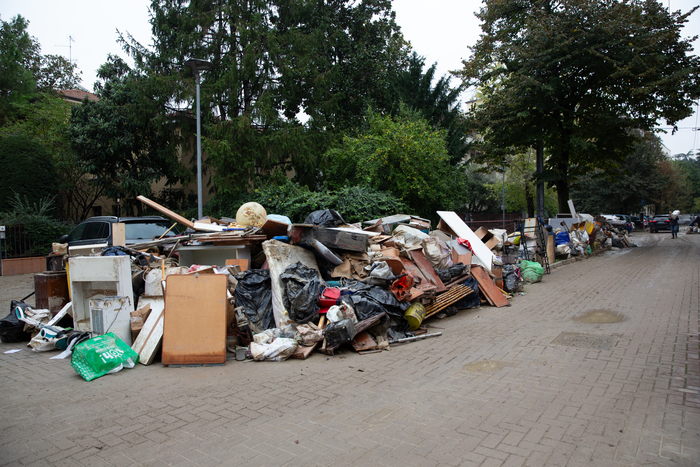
<point>494,390</point>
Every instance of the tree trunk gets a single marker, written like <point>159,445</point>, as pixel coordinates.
<point>563,195</point>
<point>530,201</point>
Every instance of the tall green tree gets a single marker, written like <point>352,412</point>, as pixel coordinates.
<point>404,156</point>
<point>578,76</point>
<point>19,61</point>
<point>621,190</point>
<point>126,139</point>
<point>437,101</point>
<point>272,60</point>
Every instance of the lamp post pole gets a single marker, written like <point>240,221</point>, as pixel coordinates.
<point>197,65</point>
<point>199,153</point>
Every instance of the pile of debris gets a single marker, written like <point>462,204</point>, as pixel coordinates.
<point>267,289</point>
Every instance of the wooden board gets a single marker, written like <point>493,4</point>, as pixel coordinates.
<point>194,327</point>
<point>151,336</point>
<point>428,270</point>
<point>243,263</point>
<point>491,292</point>
<point>302,352</point>
<point>457,225</point>
<point>359,328</point>
<point>166,211</point>
<point>275,229</point>
<point>363,341</point>
<point>422,284</point>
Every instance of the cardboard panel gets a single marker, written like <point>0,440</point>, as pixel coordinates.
<point>194,327</point>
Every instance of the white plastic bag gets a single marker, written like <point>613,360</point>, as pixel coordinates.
<point>499,234</point>
<point>340,312</point>
<point>675,214</point>
<point>408,237</point>
<point>437,253</point>
<point>277,351</point>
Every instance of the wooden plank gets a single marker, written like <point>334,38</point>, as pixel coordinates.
<point>166,211</point>
<point>421,283</point>
<point>275,229</point>
<point>194,327</point>
<point>119,234</point>
<point>492,293</point>
<point>453,295</point>
<point>242,263</point>
<point>359,327</point>
<point>457,225</point>
<point>428,270</point>
<point>151,336</point>
<point>302,352</point>
<point>363,341</point>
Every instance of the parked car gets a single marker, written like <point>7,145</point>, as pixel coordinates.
<point>99,230</point>
<point>659,222</point>
<point>628,224</point>
<point>638,222</point>
<point>685,219</point>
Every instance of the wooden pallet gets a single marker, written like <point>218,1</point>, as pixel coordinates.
<point>448,298</point>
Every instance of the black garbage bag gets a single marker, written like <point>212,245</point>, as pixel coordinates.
<point>457,269</point>
<point>472,300</point>
<point>444,275</point>
<point>254,294</point>
<point>11,328</point>
<point>510,278</point>
<point>325,218</point>
<point>369,300</point>
<point>302,287</point>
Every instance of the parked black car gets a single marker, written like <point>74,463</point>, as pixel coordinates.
<point>99,230</point>
<point>659,222</point>
<point>638,222</point>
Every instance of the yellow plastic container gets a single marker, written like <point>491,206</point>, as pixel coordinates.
<point>415,316</point>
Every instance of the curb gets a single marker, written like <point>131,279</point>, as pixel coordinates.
<point>578,258</point>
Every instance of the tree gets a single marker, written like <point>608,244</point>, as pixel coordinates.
<point>19,60</point>
<point>272,60</point>
<point>44,118</point>
<point>641,177</point>
<point>404,156</point>
<point>438,103</point>
<point>126,139</point>
<point>579,76</point>
<point>26,170</point>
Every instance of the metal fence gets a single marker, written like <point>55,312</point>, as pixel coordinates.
<point>510,225</point>
<point>16,243</point>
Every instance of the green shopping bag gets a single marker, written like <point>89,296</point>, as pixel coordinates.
<point>102,354</point>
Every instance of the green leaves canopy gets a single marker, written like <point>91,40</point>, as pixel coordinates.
<point>578,75</point>
<point>126,139</point>
<point>272,59</point>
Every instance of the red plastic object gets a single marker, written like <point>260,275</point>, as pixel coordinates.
<point>327,302</point>
<point>324,310</point>
<point>331,292</point>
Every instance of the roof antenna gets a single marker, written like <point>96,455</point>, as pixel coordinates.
<point>70,48</point>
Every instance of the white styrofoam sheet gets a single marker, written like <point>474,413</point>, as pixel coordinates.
<point>280,255</point>
<point>482,254</point>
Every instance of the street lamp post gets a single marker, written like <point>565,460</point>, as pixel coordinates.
<point>196,65</point>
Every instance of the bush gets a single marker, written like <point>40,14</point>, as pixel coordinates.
<point>30,230</point>
<point>355,204</point>
<point>26,169</point>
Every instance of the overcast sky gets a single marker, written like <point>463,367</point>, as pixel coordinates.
<point>441,32</point>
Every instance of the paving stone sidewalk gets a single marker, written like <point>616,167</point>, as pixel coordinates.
<point>597,365</point>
